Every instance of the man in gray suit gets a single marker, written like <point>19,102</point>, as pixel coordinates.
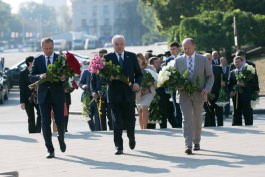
<point>192,105</point>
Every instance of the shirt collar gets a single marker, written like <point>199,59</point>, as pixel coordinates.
<point>50,56</point>
<point>192,56</point>
<point>122,54</point>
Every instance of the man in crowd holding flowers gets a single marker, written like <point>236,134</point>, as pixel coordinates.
<point>121,96</point>
<point>241,84</point>
<point>98,87</point>
<point>192,104</point>
<point>174,49</point>
<point>50,96</point>
<point>210,106</point>
<point>166,109</point>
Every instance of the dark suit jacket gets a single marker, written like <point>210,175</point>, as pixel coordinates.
<point>96,83</point>
<point>247,90</point>
<point>255,85</point>
<point>214,62</point>
<point>24,82</point>
<point>55,89</point>
<point>118,91</point>
<point>217,72</point>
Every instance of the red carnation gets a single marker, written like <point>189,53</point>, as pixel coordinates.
<point>73,63</point>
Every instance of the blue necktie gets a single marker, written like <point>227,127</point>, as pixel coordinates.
<point>121,61</point>
<point>48,62</point>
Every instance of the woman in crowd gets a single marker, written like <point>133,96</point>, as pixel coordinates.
<point>145,96</point>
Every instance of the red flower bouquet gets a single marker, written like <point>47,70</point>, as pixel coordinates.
<point>66,65</point>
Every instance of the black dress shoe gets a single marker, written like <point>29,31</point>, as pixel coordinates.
<point>50,155</point>
<point>188,151</point>
<point>132,144</point>
<point>62,143</point>
<point>119,152</point>
<point>196,147</point>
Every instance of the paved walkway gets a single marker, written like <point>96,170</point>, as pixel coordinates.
<point>226,151</point>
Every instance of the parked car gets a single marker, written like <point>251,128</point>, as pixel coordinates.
<point>3,89</point>
<point>13,72</point>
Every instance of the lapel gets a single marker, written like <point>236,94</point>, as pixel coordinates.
<point>115,59</point>
<point>126,59</point>
<point>196,65</point>
<point>183,65</point>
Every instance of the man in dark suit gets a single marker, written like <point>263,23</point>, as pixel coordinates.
<point>50,96</point>
<point>215,60</point>
<point>120,96</point>
<point>84,83</point>
<point>27,98</point>
<point>174,49</point>
<point>241,99</point>
<point>98,87</point>
<point>226,72</point>
<point>211,108</point>
<point>255,84</point>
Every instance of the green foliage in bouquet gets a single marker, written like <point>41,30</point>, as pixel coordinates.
<point>111,71</point>
<point>188,87</point>
<point>87,100</point>
<point>148,80</point>
<point>55,71</point>
<point>154,114</point>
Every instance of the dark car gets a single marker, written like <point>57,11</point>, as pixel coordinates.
<point>3,88</point>
<point>13,72</point>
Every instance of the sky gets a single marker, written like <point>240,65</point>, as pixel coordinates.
<point>15,3</point>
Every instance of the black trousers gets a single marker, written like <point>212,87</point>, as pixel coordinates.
<point>66,118</point>
<point>106,114</point>
<point>212,110</point>
<point>45,110</point>
<point>34,125</point>
<point>244,108</point>
<point>123,117</point>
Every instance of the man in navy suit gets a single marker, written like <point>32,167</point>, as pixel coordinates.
<point>120,96</point>
<point>50,96</point>
<point>174,49</point>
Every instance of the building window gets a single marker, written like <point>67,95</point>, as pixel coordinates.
<point>83,23</point>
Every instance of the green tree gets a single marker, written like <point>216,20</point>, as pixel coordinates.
<point>213,30</point>
<point>5,16</point>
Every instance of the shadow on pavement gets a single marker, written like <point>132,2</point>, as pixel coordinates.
<point>234,160</point>
<point>18,138</point>
<point>114,165</point>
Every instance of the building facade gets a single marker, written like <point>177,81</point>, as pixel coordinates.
<point>105,18</point>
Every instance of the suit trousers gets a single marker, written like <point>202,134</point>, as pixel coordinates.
<point>244,108</point>
<point>212,110</point>
<point>191,106</point>
<point>34,126</point>
<point>123,116</point>
<point>45,110</point>
<point>177,111</point>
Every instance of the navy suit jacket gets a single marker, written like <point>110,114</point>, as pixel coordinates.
<point>55,89</point>
<point>118,91</point>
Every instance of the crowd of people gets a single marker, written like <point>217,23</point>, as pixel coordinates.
<point>114,103</point>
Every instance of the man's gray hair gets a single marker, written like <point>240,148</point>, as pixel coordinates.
<point>116,37</point>
<point>46,40</point>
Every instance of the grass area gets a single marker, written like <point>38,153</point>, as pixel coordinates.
<point>260,66</point>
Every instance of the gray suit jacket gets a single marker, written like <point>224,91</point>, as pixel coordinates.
<point>202,70</point>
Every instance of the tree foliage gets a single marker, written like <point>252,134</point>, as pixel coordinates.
<point>213,30</point>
